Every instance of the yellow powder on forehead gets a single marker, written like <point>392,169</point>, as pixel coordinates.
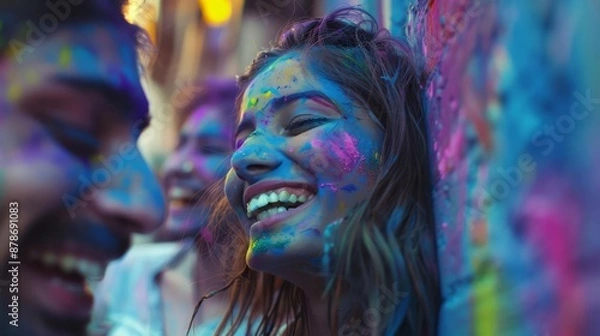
<point>268,94</point>
<point>287,74</point>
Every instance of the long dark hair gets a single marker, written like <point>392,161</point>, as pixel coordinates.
<point>384,249</point>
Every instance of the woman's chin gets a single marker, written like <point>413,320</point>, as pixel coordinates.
<point>283,261</point>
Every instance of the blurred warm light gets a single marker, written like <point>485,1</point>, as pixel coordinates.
<point>216,12</point>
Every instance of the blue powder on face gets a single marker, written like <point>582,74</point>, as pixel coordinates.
<point>312,232</point>
<point>350,188</point>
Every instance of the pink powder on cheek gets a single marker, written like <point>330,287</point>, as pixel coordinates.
<point>347,153</point>
<point>343,150</point>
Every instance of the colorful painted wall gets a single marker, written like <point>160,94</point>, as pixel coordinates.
<point>513,99</point>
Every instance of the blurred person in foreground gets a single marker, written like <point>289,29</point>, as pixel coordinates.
<point>153,290</point>
<point>73,185</point>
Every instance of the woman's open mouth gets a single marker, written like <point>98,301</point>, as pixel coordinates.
<point>276,200</point>
<point>183,198</point>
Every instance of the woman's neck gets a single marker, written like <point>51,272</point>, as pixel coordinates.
<point>316,304</point>
<point>318,321</point>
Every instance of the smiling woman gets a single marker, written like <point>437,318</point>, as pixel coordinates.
<point>330,184</point>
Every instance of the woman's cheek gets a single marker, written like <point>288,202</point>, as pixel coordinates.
<point>332,153</point>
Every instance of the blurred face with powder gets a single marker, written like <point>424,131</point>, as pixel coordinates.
<point>71,111</point>
<point>200,159</point>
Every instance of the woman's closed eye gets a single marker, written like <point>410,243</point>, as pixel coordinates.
<point>303,123</point>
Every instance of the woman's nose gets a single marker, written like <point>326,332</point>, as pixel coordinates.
<point>255,158</point>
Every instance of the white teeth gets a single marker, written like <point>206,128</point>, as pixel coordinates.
<point>284,196</point>
<point>176,193</point>
<point>69,263</point>
<point>270,212</point>
<point>264,199</point>
<point>262,215</point>
<point>253,204</point>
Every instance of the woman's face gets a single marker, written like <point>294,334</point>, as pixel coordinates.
<point>201,159</point>
<point>305,155</point>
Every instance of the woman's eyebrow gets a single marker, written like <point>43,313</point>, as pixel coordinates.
<point>316,96</point>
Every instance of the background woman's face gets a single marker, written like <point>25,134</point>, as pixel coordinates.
<point>200,159</point>
<point>305,156</point>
